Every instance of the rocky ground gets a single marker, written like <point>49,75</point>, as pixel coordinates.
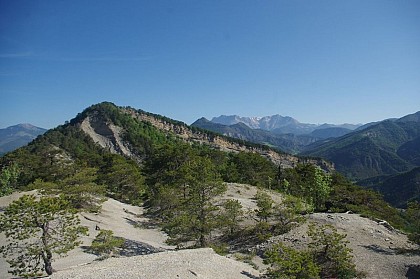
<point>197,263</point>
<point>375,246</point>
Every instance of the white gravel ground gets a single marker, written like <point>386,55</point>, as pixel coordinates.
<point>197,263</point>
<point>374,246</point>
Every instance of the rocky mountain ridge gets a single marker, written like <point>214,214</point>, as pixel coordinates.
<point>109,136</point>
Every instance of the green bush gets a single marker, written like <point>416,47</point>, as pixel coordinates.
<point>331,252</point>
<point>327,256</point>
<point>288,263</point>
<point>106,244</point>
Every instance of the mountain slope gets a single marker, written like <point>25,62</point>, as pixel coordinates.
<point>16,136</point>
<point>386,148</point>
<point>398,189</point>
<point>330,132</point>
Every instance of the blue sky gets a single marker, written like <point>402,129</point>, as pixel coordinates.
<point>317,61</point>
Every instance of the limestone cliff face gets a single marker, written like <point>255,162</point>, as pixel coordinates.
<point>222,143</point>
<point>106,134</point>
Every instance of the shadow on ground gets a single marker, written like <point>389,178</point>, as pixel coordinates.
<point>413,272</point>
<point>130,248</point>
<point>379,249</point>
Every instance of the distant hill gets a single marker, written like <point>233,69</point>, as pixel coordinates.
<point>385,148</point>
<point>398,189</point>
<point>16,136</point>
<point>330,132</point>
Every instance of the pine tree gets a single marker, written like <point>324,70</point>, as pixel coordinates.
<point>231,216</point>
<point>8,179</point>
<point>197,214</point>
<point>36,230</point>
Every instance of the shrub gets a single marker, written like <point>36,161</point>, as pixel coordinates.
<point>288,263</point>
<point>331,252</point>
<point>327,256</point>
<point>106,244</point>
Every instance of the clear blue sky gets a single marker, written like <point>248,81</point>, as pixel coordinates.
<point>317,61</point>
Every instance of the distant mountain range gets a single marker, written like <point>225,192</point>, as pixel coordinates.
<point>16,136</point>
<point>278,124</point>
<point>290,143</point>
<point>281,132</point>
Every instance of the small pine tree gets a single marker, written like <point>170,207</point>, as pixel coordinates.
<point>106,244</point>
<point>288,263</point>
<point>36,229</point>
<point>331,252</point>
<point>326,257</point>
<point>232,215</point>
<point>265,206</point>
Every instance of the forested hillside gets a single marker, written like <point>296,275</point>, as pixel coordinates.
<point>111,150</point>
<point>388,147</point>
<point>397,189</point>
<point>180,173</point>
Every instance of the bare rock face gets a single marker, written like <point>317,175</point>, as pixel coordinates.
<point>106,135</point>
